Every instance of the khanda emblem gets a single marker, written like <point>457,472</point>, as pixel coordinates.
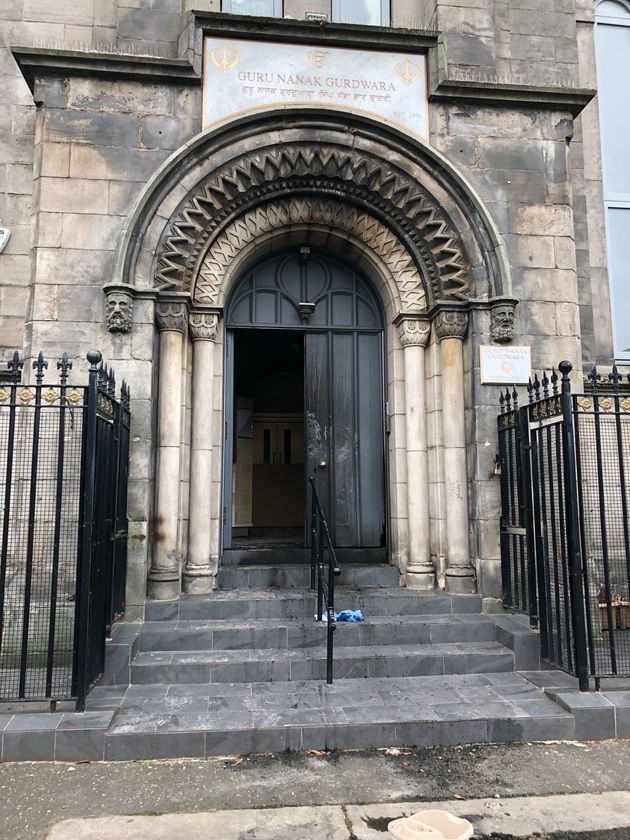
<point>407,71</point>
<point>224,58</point>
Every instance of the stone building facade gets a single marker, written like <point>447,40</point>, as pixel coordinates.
<point>132,225</point>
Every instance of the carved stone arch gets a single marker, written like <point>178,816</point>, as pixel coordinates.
<point>225,172</point>
<point>320,219</point>
<point>369,187</point>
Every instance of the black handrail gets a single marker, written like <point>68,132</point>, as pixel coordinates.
<point>320,541</point>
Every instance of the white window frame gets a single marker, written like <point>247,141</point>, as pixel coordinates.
<point>226,6</point>
<point>612,200</point>
<point>385,12</point>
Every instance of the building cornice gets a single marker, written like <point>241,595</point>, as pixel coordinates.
<point>43,62</point>
<point>555,98</point>
<point>40,62</point>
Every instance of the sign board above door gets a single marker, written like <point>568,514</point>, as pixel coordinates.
<point>241,76</point>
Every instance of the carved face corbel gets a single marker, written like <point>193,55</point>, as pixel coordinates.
<point>502,320</point>
<point>119,310</point>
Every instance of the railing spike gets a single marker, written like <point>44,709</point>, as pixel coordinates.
<point>536,387</point>
<point>545,384</point>
<point>594,378</point>
<point>530,390</point>
<point>554,381</point>
<point>514,397</point>
<point>15,365</point>
<point>64,365</point>
<point>39,366</point>
<point>502,402</point>
<point>614,377</point>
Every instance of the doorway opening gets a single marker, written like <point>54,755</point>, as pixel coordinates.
<point>268,497</point>
<point>304,395</point>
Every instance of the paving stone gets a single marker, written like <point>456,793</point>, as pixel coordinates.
<point>594,714</point>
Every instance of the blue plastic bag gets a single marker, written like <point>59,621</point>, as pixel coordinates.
<point>349,615</point>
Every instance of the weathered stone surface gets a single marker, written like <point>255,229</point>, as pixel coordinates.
<point>119,130</point>
<point>76,195</point>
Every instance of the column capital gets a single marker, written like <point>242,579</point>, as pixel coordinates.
<point>413,330</point>
<point>451,323</point>
<point>171,315</point>
<point>203,326</point>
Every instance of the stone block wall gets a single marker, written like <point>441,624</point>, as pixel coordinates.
<point>97,144</point>
<point>519,165</point>
<point>71,169</point>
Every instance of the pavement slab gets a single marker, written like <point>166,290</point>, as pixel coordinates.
<point>518,817</point>
<point>35,795</point>
<point>323,823</point>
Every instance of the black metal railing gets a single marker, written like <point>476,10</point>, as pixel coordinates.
<point>566,458</point>
<point>323,574</point>
<point>602,438</point>
<point>63,497</point>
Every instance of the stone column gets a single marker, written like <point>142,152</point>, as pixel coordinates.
<point>451,326</point>
<point>163,582</point>
<point>199,574</point>
<point>414,333</point>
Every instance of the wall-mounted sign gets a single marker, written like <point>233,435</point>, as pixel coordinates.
<point>501,365</point>
<point>241,76</point>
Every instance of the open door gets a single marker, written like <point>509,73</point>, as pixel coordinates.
<point>305,346</point>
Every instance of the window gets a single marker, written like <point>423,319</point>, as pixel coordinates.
<point>372,12</point>
<point>264,8</point>
<point>612,44</point>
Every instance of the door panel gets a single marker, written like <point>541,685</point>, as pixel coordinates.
<point>344,427</point>
<point>370,413</point>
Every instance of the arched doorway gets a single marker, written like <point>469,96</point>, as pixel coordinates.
<point>304,394</point>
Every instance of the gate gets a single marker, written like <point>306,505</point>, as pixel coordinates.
<point>564,491</point>
<point>64,453</point>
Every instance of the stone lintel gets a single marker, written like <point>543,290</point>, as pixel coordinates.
<point>315,32</point>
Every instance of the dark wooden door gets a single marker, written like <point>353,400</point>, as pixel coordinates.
<point>344,430</point>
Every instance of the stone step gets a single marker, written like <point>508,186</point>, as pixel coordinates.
<point>273,664</point>
<point>300,633</point>
<point>251,604</point>
<point>279,556</point>
<point>206,720</point>
<point>289,576</point>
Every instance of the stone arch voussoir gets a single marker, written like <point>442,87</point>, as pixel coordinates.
<point>399,268</point>
<point>361,192</point>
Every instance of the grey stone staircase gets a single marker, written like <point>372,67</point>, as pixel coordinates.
<point>241,670</point>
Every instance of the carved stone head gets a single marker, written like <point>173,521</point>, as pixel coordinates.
<point>502,321</point>
<point>119,310</point>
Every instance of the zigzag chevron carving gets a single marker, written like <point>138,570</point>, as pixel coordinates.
<point>354,177</point>
<point>279,214</point>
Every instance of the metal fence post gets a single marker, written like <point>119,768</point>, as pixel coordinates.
<point>573,531</point>
<point>87,525</point>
